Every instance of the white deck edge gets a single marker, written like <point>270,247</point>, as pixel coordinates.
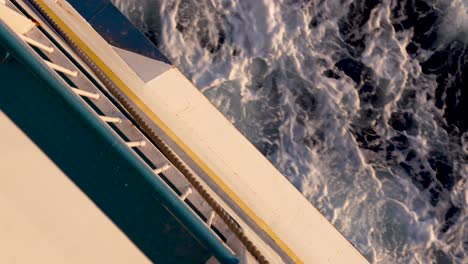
<point>245,170</point>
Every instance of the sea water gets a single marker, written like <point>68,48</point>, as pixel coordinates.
<point>358,103</point>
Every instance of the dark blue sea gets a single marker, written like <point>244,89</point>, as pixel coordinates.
<point>358,103</point>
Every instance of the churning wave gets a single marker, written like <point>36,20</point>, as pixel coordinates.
<point>358,103</point>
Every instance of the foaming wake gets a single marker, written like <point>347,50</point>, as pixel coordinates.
<point>357,103</point>
<point>454,24</point>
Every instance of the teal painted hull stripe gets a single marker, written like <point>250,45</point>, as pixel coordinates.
<point>130,165</point>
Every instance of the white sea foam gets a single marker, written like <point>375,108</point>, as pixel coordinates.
<point>454,23</point>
